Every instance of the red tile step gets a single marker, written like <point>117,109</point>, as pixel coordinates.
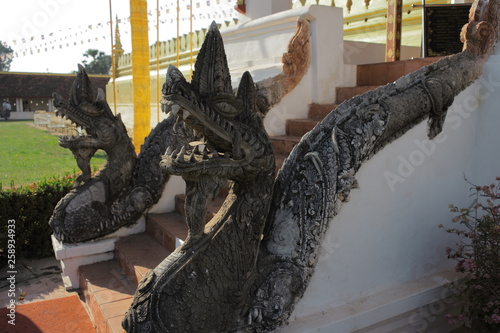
<point>299,127</point>
<point>137,255</point>
<point>108,294</point>
<point>387,72</point>
<point>283,144</point>
<point>109,286</point>
<point>346,93</point>
<point>320,111</point>
<point>65,314</point>
<point>167,229</point>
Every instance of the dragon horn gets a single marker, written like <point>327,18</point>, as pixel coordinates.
<point>211,72</point>
<point>82,89</point>
<point>246,92</point>
<point>173,75</point>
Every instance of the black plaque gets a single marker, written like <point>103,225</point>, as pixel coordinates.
<point>442,27</point>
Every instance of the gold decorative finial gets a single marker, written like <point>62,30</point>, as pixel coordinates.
<point>117,48</point>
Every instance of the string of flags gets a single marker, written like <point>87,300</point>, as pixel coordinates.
<point>203,13</point>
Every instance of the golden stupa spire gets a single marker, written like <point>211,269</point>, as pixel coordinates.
<point>117,48</point>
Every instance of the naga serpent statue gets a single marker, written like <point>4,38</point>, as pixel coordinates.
<point>127,185</point>
<point>245,270</point>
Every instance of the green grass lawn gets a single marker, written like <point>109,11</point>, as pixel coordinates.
<point>29,155</point>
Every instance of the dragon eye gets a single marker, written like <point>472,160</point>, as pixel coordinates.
<point>227,109</point>
<point>227,105</point>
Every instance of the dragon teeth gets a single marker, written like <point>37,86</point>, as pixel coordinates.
<point>177,124</point>
<point>183,151</point>
<point>175,109</point>
<point>196,143</point>
<point>174,154</point>
<point>185,114</point>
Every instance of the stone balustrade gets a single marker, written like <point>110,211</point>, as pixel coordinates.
<point>48,121</point>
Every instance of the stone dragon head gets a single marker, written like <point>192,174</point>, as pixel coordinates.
<point>97,127</point>
<point>77,217</point>
<point>88,112</point>
<point>222,131</point>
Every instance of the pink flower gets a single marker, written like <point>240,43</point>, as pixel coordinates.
<point>496,318</point>
<point>469,264</point>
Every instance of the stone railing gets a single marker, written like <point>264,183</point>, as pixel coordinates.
<point>366,20</point>
<point>363,21</point>
<point>168,51</point>
<point>48,121</point>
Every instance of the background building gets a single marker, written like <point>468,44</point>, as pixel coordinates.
<point>30,92</point>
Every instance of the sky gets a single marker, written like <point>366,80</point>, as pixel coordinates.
<point>50,36</point>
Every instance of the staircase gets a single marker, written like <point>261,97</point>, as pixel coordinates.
<point>108,287</point>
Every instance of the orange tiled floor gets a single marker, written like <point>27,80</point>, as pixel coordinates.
<point>58,315</point>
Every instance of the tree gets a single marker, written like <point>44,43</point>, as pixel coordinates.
<point>6,55</point>
<point>100,63</point>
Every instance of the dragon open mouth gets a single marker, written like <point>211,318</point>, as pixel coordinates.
<point>211,139</point>
<point>84,131</point>
<point>84,109</point>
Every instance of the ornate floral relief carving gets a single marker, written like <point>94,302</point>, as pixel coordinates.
<point>296,62</point>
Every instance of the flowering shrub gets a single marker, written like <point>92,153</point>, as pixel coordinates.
<point>478,257</point>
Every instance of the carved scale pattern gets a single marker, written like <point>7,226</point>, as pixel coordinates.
<point>319,173</point>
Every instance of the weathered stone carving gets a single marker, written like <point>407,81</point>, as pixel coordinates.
<point>190,291</point>
<point>181,294</point>
<point>245,270</point>
<point>295,61</point>
<point>319,174</point>
<point>118,195</point>
<point>128,185</point>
